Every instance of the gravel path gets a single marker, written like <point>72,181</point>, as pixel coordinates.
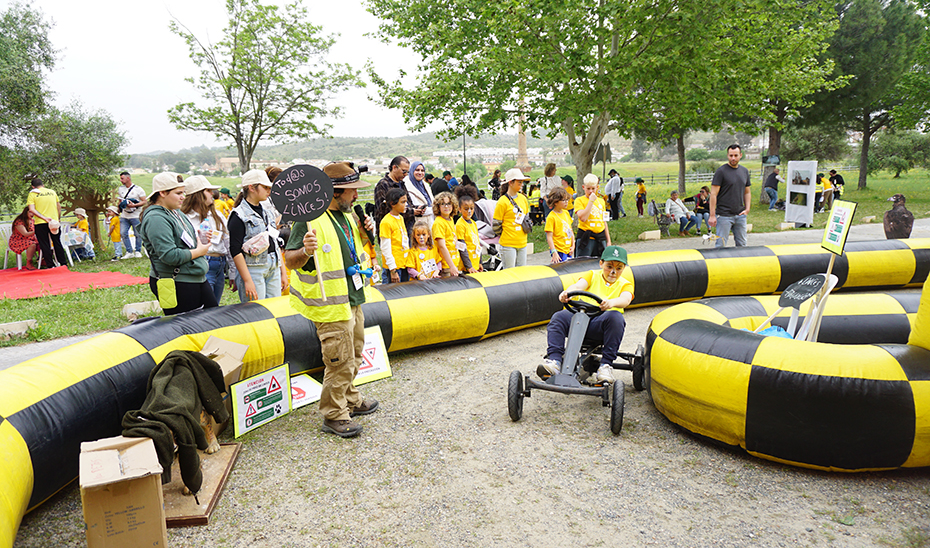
<point>442,464</point>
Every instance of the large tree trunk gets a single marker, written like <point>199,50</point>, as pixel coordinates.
<point>681,165</point>
<point>774,148</point>
<point>864,149</point>
<point>583,152</point>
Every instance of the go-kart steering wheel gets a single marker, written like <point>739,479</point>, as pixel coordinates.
<point>576,306</point>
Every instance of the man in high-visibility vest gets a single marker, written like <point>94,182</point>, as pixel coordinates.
<point>338,237</point>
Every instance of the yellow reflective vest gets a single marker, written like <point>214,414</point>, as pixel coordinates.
<point>305,288</point>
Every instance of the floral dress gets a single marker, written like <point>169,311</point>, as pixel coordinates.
<point>18,242</point>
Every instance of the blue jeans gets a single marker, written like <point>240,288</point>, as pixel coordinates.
<point>512,256</point>
<point>737,224</point>
<point>124,225</point>
<point>606,329</point>
<point>687,223</point>
<point>216,276</point>
<point>266,277</point>
<point>705,217</point>
<point>118,249</point>
<point>401,273</point>
<point>773,197</point>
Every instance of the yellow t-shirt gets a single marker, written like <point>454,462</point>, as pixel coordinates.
<point>224,206</point>
<point>426,261</point>
<point>599,286</point>
<point>82,226</point>
<point>571,198</point>
<point>468,231</point>
<point>504,211</point>
<point>595,222</point>
<point>560,225</point>
<point>392,228</point>
<point>45,201</point>
<point>444,229</point>
<point>114,229</point>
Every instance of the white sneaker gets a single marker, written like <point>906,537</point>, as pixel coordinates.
<point>548,367</point>
<point>605,374</point>
<point>137,255</point>
<point>126,256</point>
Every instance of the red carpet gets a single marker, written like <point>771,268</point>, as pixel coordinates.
<point>23,284</point>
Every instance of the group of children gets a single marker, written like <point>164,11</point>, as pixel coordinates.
<point>446,249</point>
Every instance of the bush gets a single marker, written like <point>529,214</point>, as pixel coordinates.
<point>697,154</point>
<point>704,166</point>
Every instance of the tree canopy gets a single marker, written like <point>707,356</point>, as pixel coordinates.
<point>875,47</point>
<point>652,67</point>
<point>267,78</point>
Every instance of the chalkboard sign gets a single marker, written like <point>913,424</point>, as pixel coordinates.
<point>301,193</point>
<point>801,290</point>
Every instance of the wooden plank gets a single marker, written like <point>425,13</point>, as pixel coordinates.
<point>182,510</point>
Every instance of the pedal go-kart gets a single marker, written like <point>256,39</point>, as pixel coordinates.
<point>579,363</point>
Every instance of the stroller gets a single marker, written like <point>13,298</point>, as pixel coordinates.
<point>484,214</point>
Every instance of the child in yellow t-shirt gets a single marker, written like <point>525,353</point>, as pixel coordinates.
<point>86,252</point>
<point>112,214</point>
<point>444,207</point>
<point>466,235</point>
<point>424,259</point>
<point>616,292</point>
<point>591,209</point>
<point>394,240</point>
<point>559,227</point>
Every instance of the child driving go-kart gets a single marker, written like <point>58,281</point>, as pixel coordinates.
<point>615,292</point>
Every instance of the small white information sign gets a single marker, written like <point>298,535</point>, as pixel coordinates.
<point>304,391</point>
<point>260,399</point>
<point>375,364</point>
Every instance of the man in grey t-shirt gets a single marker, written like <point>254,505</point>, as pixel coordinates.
<point>730,198</point>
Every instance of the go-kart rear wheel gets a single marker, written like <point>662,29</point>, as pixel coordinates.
<point>616,407</point>
<point>515,395</point>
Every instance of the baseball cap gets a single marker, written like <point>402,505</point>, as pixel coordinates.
<point>614,253</point>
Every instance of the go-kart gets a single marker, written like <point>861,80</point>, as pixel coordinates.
<point>579,363</point>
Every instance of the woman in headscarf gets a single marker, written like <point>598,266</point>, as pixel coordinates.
<point>419,194</point>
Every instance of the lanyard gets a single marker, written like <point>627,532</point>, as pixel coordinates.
<point>348,236</point>
<point>180,222</point>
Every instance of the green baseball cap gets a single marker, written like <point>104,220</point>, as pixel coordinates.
<point>614,253</point>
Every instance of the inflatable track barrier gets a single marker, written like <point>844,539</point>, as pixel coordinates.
<point>859,399</point>
<point>52,403</point>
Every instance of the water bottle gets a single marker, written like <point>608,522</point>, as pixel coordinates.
<point>205,232</point>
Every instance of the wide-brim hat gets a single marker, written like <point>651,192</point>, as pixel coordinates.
<point>113,209</point>
<point>54,226</point>
<point>515,174</point>
<point>80,211</point>
<point>614,253</point>
<point>164,181</point>
<point>197,183</point>
<point>639,180</point>
<point>343,175</point>
<point>255,177</point>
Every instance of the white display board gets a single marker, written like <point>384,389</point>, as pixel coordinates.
<point>801,191</point>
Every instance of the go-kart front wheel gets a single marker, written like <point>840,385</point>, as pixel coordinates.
<point>515,395</point>
<point>616,407</point>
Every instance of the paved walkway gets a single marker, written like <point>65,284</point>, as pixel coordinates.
<point>13,355</point>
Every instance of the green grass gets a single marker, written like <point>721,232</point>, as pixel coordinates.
<point>99,309</point>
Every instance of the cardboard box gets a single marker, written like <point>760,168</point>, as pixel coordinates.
<point>121,493</point>
<point>229,356</point>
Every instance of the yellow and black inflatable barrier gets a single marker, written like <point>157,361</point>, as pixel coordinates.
<point>859,399</point>
<point>50,404</point>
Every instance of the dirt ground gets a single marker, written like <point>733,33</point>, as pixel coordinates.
<point>442,464</point>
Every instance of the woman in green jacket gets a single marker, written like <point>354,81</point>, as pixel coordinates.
<point>178,276</point>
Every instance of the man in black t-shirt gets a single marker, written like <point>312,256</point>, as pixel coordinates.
<point>730,197</point>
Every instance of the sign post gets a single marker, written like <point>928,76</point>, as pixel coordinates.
<point>302,193</point>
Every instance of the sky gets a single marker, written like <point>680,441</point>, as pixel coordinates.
<point>120,56</point>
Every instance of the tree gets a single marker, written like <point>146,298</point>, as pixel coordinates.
<point>578,69</point>
<point>26,53</point>
<point>822,142</point>
<point>77,152</point>
<point>899,151</point>
<point>476,171</point>
<point>875,45</point>
<point>267,78</point>
<point>639,149</point>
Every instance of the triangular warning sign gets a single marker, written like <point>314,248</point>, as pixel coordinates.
<point>275,385</point>
<point>250,411</point>
<point>369,353</point>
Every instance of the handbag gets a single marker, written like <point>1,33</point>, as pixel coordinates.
<point>256,245</point>
<point>527,224</point>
